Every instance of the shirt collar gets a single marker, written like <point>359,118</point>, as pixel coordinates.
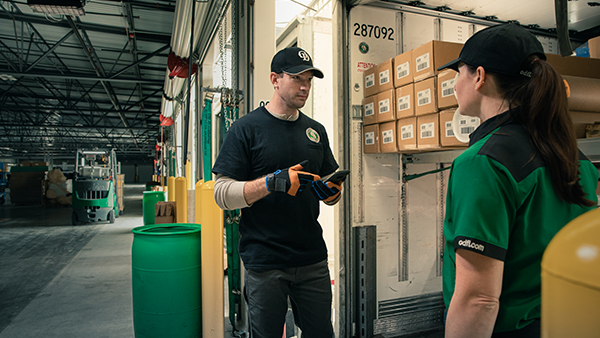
<point>492,124</point>
<point>284,116</point>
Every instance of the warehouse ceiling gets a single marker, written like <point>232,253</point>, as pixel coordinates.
<point>90,81</point>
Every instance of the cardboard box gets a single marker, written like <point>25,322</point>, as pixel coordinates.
<point>575,66</point>
<point>407,133</point>
<point>447,137</point>
<point>385,75</point>
<point>387,137</point>
<point>445,89</point>
<point>369,82</point>
<point>164,212</point>
<point>428,132</point>
<point>405,98</point>
<point>594,46</point>
<point>428,57</point>
<point>369,116</point>
<point>425,97</point>
<point>402,69</point>
<point>385,106</point>
<point>371,139</point>
<point>581,120</point>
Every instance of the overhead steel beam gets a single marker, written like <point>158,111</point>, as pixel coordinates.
<point>140,61</point>
<point>49,51</point>
<point>83,77</point>
<point>40,20</point>
<point>71,126</point>
<point>39,110</point>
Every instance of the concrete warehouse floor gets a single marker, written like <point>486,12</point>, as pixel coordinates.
<point>59,280</point>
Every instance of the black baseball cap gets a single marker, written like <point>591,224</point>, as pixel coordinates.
<point>294,60</point>
<point>499,49</point>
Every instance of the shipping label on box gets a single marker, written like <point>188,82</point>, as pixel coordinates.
<point>402,73</point>
<point>371,86</point>
<point>467,125</point>
<point>407,139</point>
<point>370,141</point>
<point>384,75</point>
<point>428,136</point>
<point>427,130</point>
<point>385,106</point>
<point>369,116</point>
<point>446,80</point>
<point>407,132</point>
<point>425,97</point>
<point>404,101</point>
<point>422,62</point>
<point>388,137</point>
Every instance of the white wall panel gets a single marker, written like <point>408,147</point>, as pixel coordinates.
<point>455,31</point>
<point>417,30</point>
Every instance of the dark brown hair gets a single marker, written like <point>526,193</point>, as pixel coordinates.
<point>545,114</point>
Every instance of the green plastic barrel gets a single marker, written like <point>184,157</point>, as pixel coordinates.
<point>166,280</point>
<point>148,202</point>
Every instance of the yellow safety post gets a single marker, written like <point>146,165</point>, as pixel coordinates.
<point>181,203</point>
<point>211,219</point>
<point>189,174</point>
<point>571,280</point>
<point>171,188</point>
<point>198,202</point>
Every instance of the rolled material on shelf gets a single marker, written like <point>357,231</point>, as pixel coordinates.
<point>583,93</point>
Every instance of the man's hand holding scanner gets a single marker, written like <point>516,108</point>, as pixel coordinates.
<point>329,191</point>
<point>291,180</point>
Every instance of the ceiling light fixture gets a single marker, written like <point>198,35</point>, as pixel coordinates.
<point>62,7</point>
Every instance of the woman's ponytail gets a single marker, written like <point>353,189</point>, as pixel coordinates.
<point>545,114</point>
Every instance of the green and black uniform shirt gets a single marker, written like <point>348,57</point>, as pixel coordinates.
<point>501,204</point>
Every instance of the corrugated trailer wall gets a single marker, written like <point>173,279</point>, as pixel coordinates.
<point>388,192</point>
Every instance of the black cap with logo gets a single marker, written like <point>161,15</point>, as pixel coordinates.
<point>499,49</point>
<point>294,60</point>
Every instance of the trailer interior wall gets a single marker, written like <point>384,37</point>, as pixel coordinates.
<point>408,215</point>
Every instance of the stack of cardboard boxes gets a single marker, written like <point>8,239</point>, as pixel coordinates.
<point>408,102</point>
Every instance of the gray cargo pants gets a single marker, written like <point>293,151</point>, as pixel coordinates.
<point>309,291</point>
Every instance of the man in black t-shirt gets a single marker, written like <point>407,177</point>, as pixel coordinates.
<point>269,159</point>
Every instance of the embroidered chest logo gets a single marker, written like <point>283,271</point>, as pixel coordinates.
<point>313,135</point>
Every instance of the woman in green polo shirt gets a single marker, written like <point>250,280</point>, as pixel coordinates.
<point>520,181</point>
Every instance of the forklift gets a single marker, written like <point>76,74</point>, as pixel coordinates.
<point>94,187</point>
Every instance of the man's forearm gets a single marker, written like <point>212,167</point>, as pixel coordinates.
<point>255,190</point>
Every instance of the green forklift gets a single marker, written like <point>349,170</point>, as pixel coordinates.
<point>94,187</point>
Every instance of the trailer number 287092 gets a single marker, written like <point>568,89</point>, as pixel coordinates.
<point>371,31</point>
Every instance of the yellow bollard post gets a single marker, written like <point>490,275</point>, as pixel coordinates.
<point>189,175</point>
<point>181,200</point>
<point>198,202</point>
<point>211,218</point>
<point>171,188</point>
<point>571,280</point>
